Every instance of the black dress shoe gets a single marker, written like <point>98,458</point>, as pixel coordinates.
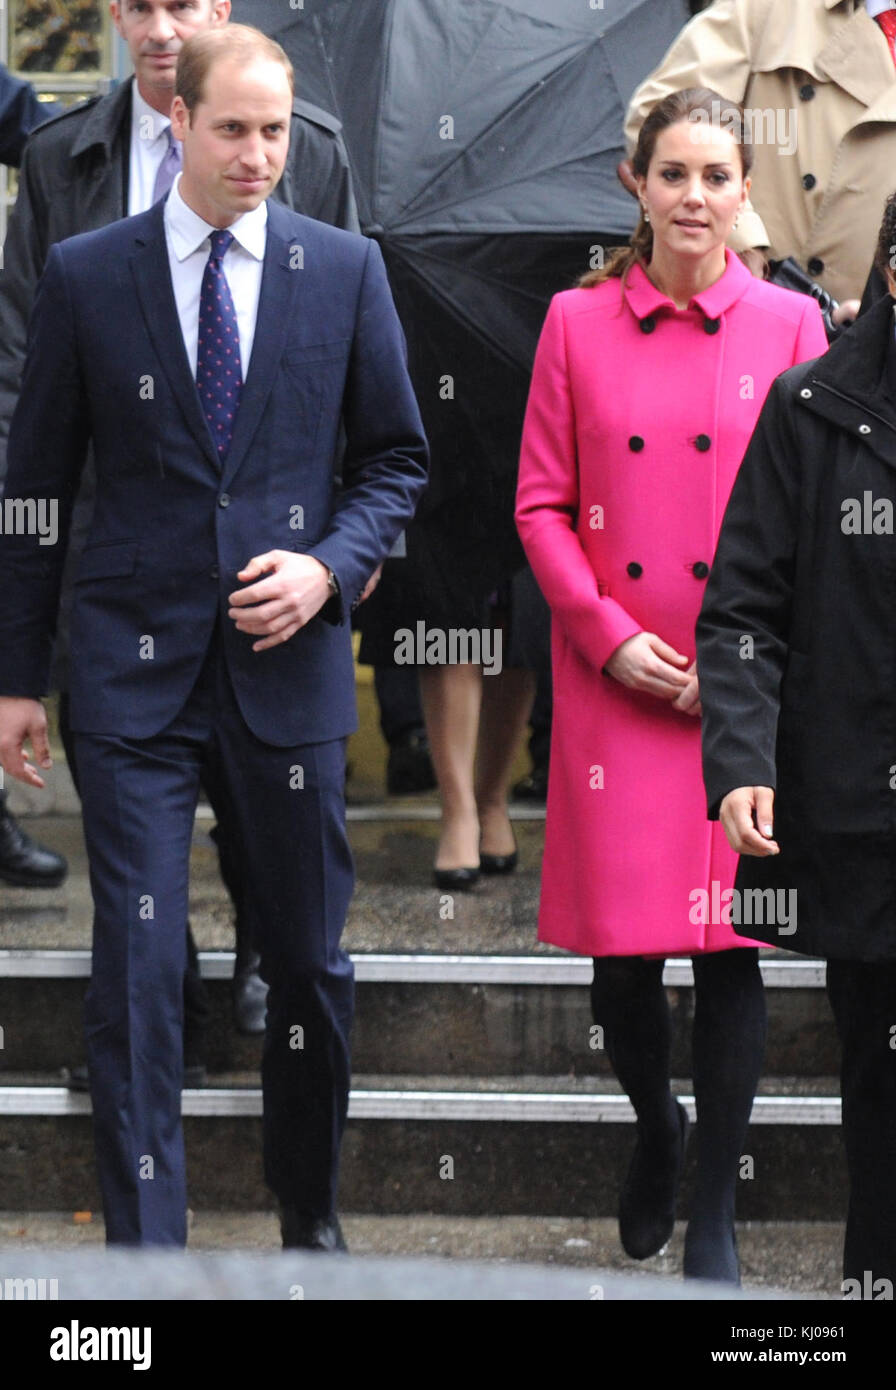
<point>409,767</point>
<point>250,998</point>
<point>23,862</point>
<point>302,1232</point>
<point>454,879</point>
<point>194,1077</point>
<point>647,1204</point>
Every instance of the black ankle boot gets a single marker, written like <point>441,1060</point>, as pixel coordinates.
<point>647,1204</point>
<point>710,1250</point>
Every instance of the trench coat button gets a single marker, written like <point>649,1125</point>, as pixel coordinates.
<point>703,442</point>
<point>711,325</point>
<point>806,394</point>
<point>807,91</point>
<point>816,265</point>
<point>213,572</point>
<point>636,444</point>
<point>700,569</point>
<point>864,429</point>
<point>224,500</point>
<point>809,181</point>
<point>634,569</point>
<point>648,324</point>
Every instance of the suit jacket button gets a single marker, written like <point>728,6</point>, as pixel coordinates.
<point>634,569</point>
<point>703,442</point>
<point>636,444</point>
<point>711,325</point>
<point>224,500</point>
<point>701,569</point>
<point>648,325</point>
<point>816,265</point>
<point>809,181</point>
<point>807,91</point>
<point>213,572</point>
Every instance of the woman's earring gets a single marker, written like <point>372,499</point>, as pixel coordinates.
<point>644,213</point>
<point>735,222</point>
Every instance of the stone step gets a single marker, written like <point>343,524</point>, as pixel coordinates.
<point>461,1145</point>
<point>802,1258</point>
<point>472,1014</point>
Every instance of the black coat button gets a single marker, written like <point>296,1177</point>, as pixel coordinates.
<point>816,265</point>
<point>807,92</point>
<point>701,569</point>
<point>224,500</point>
<point>711,325</point>
<point>636,444</point>
<point>703,442</point>
<point>809,181</point>
<point>634,569</point>
<point>648,325</point>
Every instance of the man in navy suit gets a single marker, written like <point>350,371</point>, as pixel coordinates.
<point>212,349</point>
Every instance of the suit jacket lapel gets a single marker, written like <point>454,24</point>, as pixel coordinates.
<point>281,286</point>
<point>152,274</point>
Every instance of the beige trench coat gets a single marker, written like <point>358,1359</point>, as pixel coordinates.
<point>816,70</point>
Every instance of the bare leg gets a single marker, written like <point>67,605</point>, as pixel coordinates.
<point>506,705</point>
<point>452,698</point>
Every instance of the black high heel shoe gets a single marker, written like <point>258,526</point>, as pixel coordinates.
<point>452,880</point>
<point>500,863</point>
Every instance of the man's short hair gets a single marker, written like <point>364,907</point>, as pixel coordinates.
<point>239,43</point>
<point>885,255</point>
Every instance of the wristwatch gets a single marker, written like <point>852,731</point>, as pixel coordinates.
<point>332,582</point>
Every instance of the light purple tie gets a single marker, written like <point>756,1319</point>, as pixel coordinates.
<point>168,169</point>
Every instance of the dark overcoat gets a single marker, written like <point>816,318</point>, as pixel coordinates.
<point>796,645</point>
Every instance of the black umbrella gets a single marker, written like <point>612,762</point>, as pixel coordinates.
<point>483,137</point>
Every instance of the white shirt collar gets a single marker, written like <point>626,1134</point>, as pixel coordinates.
<point>145,118</point>
<point>876,7</point>
<point>188,230</point>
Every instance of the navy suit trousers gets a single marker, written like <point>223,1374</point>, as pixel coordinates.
<point>139,800</point>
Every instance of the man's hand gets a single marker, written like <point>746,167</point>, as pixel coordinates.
<point>626,176</point>
<point>23,721</point>
<point>736,814</point>
<point>371,583</point>
<point>296,587</point>
<point>645,662</point>
<point>689,699</point>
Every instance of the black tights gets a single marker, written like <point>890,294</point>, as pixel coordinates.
<point>629,1002</point>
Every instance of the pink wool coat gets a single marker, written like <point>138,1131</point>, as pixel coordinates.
<point>638,417</point>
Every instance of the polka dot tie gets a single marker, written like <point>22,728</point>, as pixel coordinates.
<point>219,377</point>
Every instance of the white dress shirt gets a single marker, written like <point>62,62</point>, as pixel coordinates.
<point>876,7</point>
<point>187,238</point>
<point>149,143</point>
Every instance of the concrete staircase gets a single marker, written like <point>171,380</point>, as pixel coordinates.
<point>477,1093</point>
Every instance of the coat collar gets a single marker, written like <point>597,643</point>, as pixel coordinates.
<point>645,300</point>
<point>104,122</point>
<point>854,384</point>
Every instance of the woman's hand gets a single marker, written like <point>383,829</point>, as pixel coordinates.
<point>689,699</point>
<point>645,662</point>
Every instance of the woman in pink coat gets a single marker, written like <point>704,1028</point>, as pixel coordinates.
<point>647,383</point>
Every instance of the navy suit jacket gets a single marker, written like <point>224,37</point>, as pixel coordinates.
<point>106,362</point>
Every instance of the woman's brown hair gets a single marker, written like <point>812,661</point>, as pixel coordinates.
<point>696,104</point>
